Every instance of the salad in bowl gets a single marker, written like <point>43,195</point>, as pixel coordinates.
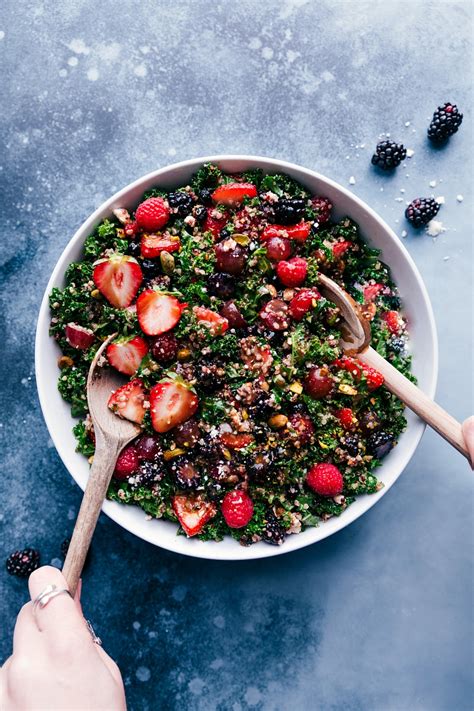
<point>256,426</point>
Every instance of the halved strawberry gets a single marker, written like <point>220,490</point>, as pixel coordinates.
<point>118,278</point>
<point>215,221</point>
<point>299,232</point>
<point>349,364</point>
<point>126,354</point>
<point>193,512</point>
<point>374,378</point>
<point>371,291</point>
<point>393,321</point>
<point>340,248</point>
<point>346,417</point>
<point>158,312</point>
<point>172,402</point>
<point>78,336</point>
<point>152,246</point>
<point>216,323</point>
<point>236,441</point>
<point>233,193</point>
<point>127,401</point>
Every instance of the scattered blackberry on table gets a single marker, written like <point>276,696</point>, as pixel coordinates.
<point>273,532</point>
<point>180,203</point>
<point>446,121</point>
<point>421,210</point>
<point>289,211</point>
<point>388,155</point>
<point>22,563</point>
<point>380,443</point>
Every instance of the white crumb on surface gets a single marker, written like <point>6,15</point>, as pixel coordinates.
<point>410,152</point>
<point>404,233</point>
<point>2,34</point>
<point>459,198</point>
<point>267,53</point>
<point>435,228</point>
<point>398,199</point>
<point>92,74</point>
<point>73,61</point>
<point>402,190</point>
<point>78,46</point>
<point>440,200</point>
<point>140,70</point>
<point>352,180</point>
<point>432,183</point>
<point>445,259</point>
<point>407,123</point>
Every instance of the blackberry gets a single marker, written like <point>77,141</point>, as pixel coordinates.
<point>369,421</point>
<point>446,121</point>
<point>380,443</point>
<point>210,377</point>
<point>150,268</point>
<point>388,155</point>
<point>421,210</point>
<point>351,445</point>
<point>260,464</point>
<point>289,211</point>
<point>397,345</point>
<point>164,348</point>
<point>200,213</point>
<point>205,195</point>
<point>180,203</point>
<point>225,233</point>
<point>263,406</point>
<point>186,475</point>
<point>22,563</point>
<point>148,474</point>
<point>133,249</point>
<point>273,532</point>
<point>187,434</point>
<point>221,285</point>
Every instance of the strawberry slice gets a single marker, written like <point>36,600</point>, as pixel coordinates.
<point>371,291</point>
<point>127,401</point>
<point>349,364</point>
<point>158,312</point>
<point>299,232</point>
<point>374,378</point>
<point>233,193</point>
<point>118,278</point>
<point>172,402</point>
<point>126,354</point>
<point>193,512</point>
<point>216,323</point>
<point>78,336</point>
<point>340,248</point>
<point>236,441</point>
<point>152,246</point>
<point>393,321</point>
<point>215,221</point>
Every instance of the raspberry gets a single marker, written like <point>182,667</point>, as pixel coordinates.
<point>392,319</point>
<point>130,229</point>
<point>127,463</point>
<point>346,418</point>
<point>237,508</point>
<point>374,378</point>
<point>304,301</point>
<point>152,214</point>
<point>380,443</point>
<point>292,272</point>
<point>322,207</point>
<point>325,479</point>
<point>22,563</point>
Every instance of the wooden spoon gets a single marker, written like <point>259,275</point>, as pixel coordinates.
<point>356,339</point>
<point>112,433</point>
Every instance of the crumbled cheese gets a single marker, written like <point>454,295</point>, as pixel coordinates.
<point>410,152</point>
<point>404,233</point>
<point>432,183</point>
<point>435,228</point>
<point>440,200</point>
<point>459,198</point>
<point>352,180</point>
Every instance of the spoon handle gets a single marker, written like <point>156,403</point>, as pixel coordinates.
<point>100,474</point>
<point>421,404</point>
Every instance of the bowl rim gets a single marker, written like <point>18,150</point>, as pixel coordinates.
<point>112,509</point>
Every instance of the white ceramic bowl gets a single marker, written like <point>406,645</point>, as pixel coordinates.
<point>423,342</point>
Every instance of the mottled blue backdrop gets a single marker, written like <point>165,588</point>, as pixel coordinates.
<point>96,94</point>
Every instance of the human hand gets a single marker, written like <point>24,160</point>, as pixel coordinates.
<point>468,434</point>
<point>59,666</point>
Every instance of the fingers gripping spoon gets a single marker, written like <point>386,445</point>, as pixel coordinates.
<point>112,433</point>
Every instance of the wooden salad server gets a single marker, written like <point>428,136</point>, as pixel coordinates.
<point>356,341</point>
<point>112,433</point>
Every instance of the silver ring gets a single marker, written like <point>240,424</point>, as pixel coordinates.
<point>95,638</point>
<point>46,596</point>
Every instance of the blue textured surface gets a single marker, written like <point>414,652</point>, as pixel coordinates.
<point>94,95</point>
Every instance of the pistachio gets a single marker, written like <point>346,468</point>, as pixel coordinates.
<point>280,381</point>
<point>347,389</point>
<point>172,453</point>
<point>227,454</point>
<point>243,240</point>
<point>288,294</point>
<point>65,362</point>
<point>95,293</point>
<point>167,262</point>
<point>296,387</point>
<point>184,354</point>
<point>91,459</point>
<point>277,422</point>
